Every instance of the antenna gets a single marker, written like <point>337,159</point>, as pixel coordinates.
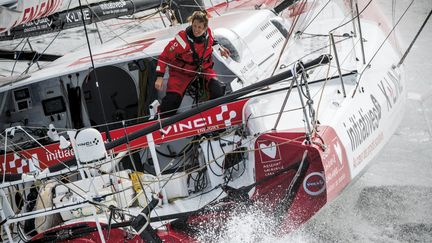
<point>95,74</point>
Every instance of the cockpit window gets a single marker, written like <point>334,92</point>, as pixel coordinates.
<point>229,45</point>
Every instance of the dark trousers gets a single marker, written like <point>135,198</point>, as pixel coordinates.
<point>172,100</point>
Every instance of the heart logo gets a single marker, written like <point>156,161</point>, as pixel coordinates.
<point>269,150</point>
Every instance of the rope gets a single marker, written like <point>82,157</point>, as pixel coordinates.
<point>415,38</point>
<point>379,48</point>
<point>353,18</point>
<point>291,30</point>
<point>319,12</point>
<point>46,48</point>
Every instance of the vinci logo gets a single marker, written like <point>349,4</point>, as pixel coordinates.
<point>232,115</point>
<point>199,122</point>
<point>19,164</point>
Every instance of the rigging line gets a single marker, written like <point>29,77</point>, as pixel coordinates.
<point>317,50</point>
<point>197,4</point>
<point>308,14</point>
<point>253,118</point>
<point>16,61</point>
<point>68,8</point>
<point>319,12</point>
<point>94,71</point>
<point>319,35</point>
<point>255,149</point>
<point>320,99</point>
<point>19,54</point>
<point>288,140</point>
<point>12,44</point>
<point>34,214</point>
<point>210,161</point>
<point>291,30</point>
<point>122,18</point>
<point>84,167</point>
<point>414,40</point>
<point>41,54</point>
<point>26,188</point>
<point>214,9</point>
<point>112,31</point>
<point>65,185</point>
<point>236,152</point>
<point>352,19</point>
<point>379,48</point>
<point>86,200</point>
<point>42,127</point>
<point>345,59</point>
<point>342,62</point>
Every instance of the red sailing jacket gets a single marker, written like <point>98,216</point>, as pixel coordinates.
<point>179,56</point>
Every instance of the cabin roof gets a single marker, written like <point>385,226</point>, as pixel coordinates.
<point>148,44</point>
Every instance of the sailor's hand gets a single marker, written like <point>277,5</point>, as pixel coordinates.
<point>159,83</point>
<point>224,52</point>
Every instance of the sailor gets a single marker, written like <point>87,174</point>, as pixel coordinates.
<point>189,57</point>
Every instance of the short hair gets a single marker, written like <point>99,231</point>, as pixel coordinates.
<point>200,16</point>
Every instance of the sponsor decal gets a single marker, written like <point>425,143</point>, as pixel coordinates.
<point>36,25</point>
<point>76,16</point>
<point>369,149</point>
<point>40,158</point>
<point>391,92</point>
<point>365,121</point>
<point>220,117</point>
<point>202,122</point>
<point>89,143</point>
<point>41,9</point>
<point>270,156</point>
<point>46,20</point>
<point>213,119</point>
<point>20,164</point>
<point>113,5</point>
<point>335,164</point>
<point>269,151</point>
<point>361,125</point>
<point>314,183</point>
<point>58,155</point>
